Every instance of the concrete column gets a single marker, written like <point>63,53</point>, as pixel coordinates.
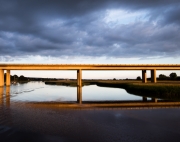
<point>144,99</point>
<point>79,95</point>
<point>144,79</point>
<point>154,100</point>
<point>153,76</point>
<point>79,86</point>
<point>8,78</point>
<point>1,78</point>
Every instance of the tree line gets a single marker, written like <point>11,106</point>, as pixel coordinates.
<point>172,76</point>
<point>16,78</point>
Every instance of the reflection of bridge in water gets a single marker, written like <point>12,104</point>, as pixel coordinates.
<point>5,96</point>
<point>80,68</point>
<point>5,102</point>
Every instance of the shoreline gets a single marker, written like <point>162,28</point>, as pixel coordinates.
<point>162,89</point>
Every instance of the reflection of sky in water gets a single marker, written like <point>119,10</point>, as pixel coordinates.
<point>38,91</point>
<point>94,92</point>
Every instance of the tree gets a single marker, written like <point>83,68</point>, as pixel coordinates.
<point>114,79</point>
<point>22,78</point>
<point>138,78</point>
<point>14,78</point>
<point>173,75</point>
<point>162,76</point>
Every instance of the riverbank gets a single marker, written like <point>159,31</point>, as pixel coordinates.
<point>20,82</point>
<point>72,83</point>
<point>162,89</point>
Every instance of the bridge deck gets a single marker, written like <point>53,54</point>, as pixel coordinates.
<point>90,66</point>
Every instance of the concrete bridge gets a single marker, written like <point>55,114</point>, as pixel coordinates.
<point>81,67</point>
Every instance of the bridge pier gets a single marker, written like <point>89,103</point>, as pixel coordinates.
<point>1,78</point>
<point>8,78</point>
<point>144,79</point>
<point>154,100</point>
<point>153,76</point>
<point>79,86</point>
<point>144,99</point>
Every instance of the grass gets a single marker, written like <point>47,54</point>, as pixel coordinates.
<point>161,89</point>
<point>68,83</point>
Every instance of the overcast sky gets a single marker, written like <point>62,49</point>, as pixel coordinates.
<point>90,31</point>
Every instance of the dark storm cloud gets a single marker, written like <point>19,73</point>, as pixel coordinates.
<point>172,15</point>
<point>76,28</point>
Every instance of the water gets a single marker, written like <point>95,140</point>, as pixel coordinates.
<point>39,92</point>
<point>22,122</point>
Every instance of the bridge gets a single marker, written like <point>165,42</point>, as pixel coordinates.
<point>80,67</point>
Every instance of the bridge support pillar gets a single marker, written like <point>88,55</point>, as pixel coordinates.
<point>153,76</point>
<point>1,78</point>
<point>154,100</point>
<point>144,79</point>
<point>8,78</point>
<point>79,86</point>
<point>144,99</point>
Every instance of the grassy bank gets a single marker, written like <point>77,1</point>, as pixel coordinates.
<point>69,83</point>
<point>162,89</point>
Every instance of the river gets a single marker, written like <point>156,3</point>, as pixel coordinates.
<point>39,92</point>
<point>22,122</point>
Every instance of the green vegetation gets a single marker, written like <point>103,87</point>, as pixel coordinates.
<point>162,89</point>
<point>172,76</point>
<point>15,78</point>
<point>138,78</point>
<point>22,78</point>
<point>168,90</point>
<point>68,83</point>
<point>162,76</point>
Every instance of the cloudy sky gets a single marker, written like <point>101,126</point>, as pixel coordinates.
<point>90,31</point>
